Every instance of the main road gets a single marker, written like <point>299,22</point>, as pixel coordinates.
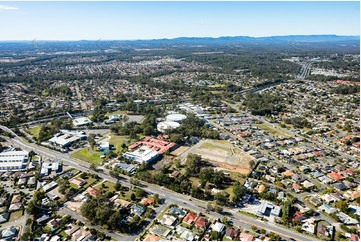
<point>172,197</point>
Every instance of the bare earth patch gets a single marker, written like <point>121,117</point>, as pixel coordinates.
<point>179,150</point>
<point>225,156</point>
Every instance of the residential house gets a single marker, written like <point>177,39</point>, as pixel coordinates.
<point>190,218</point>
<point>218,227</point>
<point>137,210</point>
<point>151,237</point>
<point>245,237</point>
<point>324,230</point>
<point>297,178</point>
<point>4,217</point>
<point>94,192</point>
<point>340,186</point>
<point>232,233</point>
<point>351,195</point>
<point>9,232</point>
<point>53,224</point>
<point>146,201</point>
<point>177,211</point>
<point>296,187</point>
<point>347,220</point>
<point>327,208</point>
<point>77,181</point>
<point>201,222</point>
<point>308,225</point>
<point>71,229</point>
<point>168,220</point>
<point>79,235</point>
<point>335,176</point>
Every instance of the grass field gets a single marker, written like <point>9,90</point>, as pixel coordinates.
<point>108,186</point>
<point>15,215</point>
<point>117,141</point>
<point>195,181</point>
<point>271,130</point>
<point>214,146</point>
<point>34,131</point>
<point>87,155</point>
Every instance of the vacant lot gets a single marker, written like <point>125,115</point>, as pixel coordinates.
<point>179,150</point>
<point>34,131</point>
<point>86,154</point>
<point>271,130</point>
<point>224,155</point>
<point>117,141</point>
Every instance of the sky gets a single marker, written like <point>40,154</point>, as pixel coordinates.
<point>153,20</point>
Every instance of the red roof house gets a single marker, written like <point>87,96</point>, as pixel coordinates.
<point>245,237</point>
<point>190,218</point>
<point>335,176</point>
<point>201,222</point>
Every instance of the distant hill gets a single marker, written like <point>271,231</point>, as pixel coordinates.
<point>305,41</point>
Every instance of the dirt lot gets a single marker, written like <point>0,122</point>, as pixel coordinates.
<point>179,150</point>
<point>226,156</point>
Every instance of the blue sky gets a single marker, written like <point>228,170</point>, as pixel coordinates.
<point>148,20</point>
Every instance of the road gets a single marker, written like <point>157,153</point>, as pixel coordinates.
<point>305,71</point>
<point>170,196</point>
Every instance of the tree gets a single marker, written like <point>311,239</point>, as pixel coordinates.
<point>140,192</point>
<point>221,198</point>
<point>83,175</point>
<point>342,205</point>
<point>93,167</point>
<point>114,173</point>
<point>132,197</point>
<point>118,186</point>
<point>156,198</point>
<point>91,140</point>
<point>214,235</point>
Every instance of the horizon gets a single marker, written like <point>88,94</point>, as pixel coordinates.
<point>75,21</point>
<point>198,37</point>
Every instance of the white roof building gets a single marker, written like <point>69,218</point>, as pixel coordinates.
<point>167,125</point>
<point>219,227</point>
<point>114,117</point>
<point>142,155</point>
<point>13,160</point>
<point>175,117</point>
<point>81,121</point>
<point>49,186</point>
<point>46,166</point>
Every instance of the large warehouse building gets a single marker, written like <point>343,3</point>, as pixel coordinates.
<point>167,125</point>
<point>12,159</point>
<point>175,117</point>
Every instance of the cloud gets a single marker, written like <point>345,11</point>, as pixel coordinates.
<point>7,8</point>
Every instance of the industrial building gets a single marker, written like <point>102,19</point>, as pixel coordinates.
<point>167,125</point>
<point>66,138</point>
<point>266,208</point>
<point>47,167</point>
<point>114,117</point>
<point>78,122</point>
<point>12,159</point>
<point>175,117</point>
<point>143,154</point>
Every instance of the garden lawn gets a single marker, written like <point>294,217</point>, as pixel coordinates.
<point>15,215</point>
<point>109,186</point>
<point>87,155</point>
